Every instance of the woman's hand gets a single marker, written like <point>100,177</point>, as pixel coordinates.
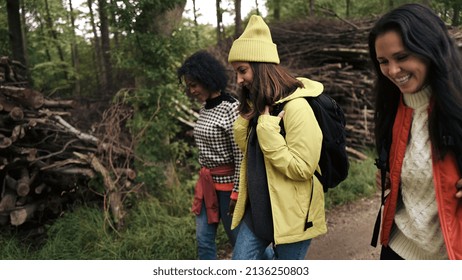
<point>459,188</point>
<point>267,112</point>
<point>232,206</point>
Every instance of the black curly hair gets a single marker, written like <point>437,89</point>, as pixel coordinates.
<point>205,69</point>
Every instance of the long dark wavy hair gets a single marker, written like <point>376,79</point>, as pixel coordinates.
<point>205,69</point>
<point>271,82</point>
<point>424,34</point>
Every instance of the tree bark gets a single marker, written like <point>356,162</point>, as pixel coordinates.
<point>277,10</point>
<point>15,31</point>
<point>54,35</point>
<point>106,49</point>
<point>347,13</point>
<point>219,21</point>
<point>24,42</point>
<point>74,51</point>
<point>237,19</point>
<point>97,48</point>
<point>311,10</point>
<point>113,22</point>
<point>456,8</point>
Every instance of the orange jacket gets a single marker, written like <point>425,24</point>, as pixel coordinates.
<point>445,177</point>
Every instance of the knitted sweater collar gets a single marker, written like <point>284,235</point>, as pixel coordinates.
<point>418,99</point>
<point>224,96</point>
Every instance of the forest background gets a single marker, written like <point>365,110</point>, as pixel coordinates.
<point>102,52</point>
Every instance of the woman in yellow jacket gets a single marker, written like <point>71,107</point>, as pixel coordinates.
<point>280,200</point>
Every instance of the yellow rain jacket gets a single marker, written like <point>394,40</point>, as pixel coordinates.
<point>290,166</point>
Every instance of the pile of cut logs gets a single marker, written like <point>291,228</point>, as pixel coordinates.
<point>46,162</point>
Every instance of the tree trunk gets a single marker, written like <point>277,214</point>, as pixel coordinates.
<point>168,21</point>
<point>219,21</point>
<point>311,8</point>
<point>14,29</point>
<point>196,24</point>
<point>238,18</point>
<point>74,51</point>
<point>456,7</point>
<point>43,34</point>
<point>391,4</point>
<point>426,2</point>
<point>348,4</point>
<point>54,35</point>
<point>96,46</point>
<point>277,10</point>
<point>106,49</point>
<point>24,40</point>
<point>114,23</point>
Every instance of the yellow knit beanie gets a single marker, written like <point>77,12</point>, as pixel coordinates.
<point>255,44</point>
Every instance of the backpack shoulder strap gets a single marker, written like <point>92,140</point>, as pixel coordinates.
<point>381,163</point>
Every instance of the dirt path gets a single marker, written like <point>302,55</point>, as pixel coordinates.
<point>349,233</point>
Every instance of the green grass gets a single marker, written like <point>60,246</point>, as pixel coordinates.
<point>359,183</point>
<point>83,235</point>
<point>154,229</point>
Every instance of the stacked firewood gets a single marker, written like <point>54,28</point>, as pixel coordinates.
<point>46,162</point>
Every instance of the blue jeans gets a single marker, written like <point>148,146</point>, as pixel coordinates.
<point>206,233</point>
<point>250,247</point>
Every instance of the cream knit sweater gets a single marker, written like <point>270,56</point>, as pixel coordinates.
<point>417,234</point>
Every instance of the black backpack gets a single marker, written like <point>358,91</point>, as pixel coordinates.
<point>334,158</point>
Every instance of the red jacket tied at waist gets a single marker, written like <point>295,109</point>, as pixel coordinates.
<point>205,191</point>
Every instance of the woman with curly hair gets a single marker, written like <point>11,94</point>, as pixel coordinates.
<point>218,184</point>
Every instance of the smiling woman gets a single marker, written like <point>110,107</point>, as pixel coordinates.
<point>418,126</point>
<point>406,70</point>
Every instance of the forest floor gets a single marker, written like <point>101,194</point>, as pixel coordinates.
<point>349,232</point>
